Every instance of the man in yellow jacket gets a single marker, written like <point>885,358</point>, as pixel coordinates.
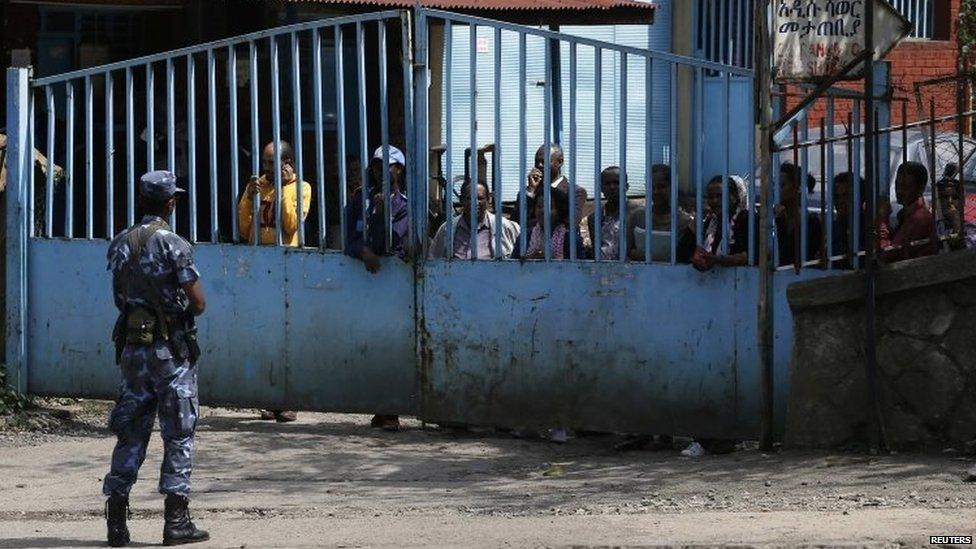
<point>263,188</point>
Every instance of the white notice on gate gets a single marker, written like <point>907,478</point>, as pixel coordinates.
<point>813,39</point>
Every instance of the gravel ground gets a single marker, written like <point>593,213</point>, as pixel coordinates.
<point>330,480</point>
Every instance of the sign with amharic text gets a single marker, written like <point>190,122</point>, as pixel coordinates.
<point>813,39</point>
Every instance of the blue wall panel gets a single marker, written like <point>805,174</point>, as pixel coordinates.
<point>597,345</point>
<point>282,326</point>
<point>603,346</point>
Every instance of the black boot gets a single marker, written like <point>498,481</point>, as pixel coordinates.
<point>179,529</point>
<point>116,512</point>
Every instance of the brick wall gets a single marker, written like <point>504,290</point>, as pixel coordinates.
<point>911,61</point>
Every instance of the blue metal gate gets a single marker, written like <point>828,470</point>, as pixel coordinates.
<point>609,344</point>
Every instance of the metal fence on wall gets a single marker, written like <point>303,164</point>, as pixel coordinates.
<point>630,61</point>
<point>206,112</point>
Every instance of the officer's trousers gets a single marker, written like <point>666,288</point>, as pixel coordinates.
<point>153,380</point>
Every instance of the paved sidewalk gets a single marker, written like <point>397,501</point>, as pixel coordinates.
<point>329,480</point>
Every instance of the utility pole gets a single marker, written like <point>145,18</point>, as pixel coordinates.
<point>763,120</point>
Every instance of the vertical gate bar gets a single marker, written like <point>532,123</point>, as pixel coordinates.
<point>319,136</point>
<point>936,210</point>
<point>706,31</point>
<point>804,171</point>
<point>255,140</point>
<point>20,154</point>
<point>855,225</point>
<point>961,188</point>
<point>496,155</point>
<point>276,133</point>
<point>89,162</point>
<point>672,158</point>
<point>415,108</point>
<point>49,189</point>
<point>829,175</point>
<point>413,168</point>
<point>825,222</point>
<point>296,91</point>
<point>448,131</point>
<point>212,142</point>
<point>775,174</point>
<point>701,179</point>
<point>523,215</point>
<point>234,143</point>
<point>69,162</point>
<point>740,37</point>
<point>31,139</point>
<point>797,233</point>
<point>385,134</point>
<point>364,158</point>
<point>726,214</point>
<point>130,151</point>
<point>572,145</point>
<point>150,121</point>
<point>904,133</point>
<point>473,140</point>
<point>341,134</point>
<point>171,125</point>
<point>622,195</point>
<point>649,155</point>
<point>856,176</point>
<point>191,133</point>
<point>722,30</point>
<point>597,235</point>
<point>751,202</point>
<point>547,156</point>
<point>109,159</point>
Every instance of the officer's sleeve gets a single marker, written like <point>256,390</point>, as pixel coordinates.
<point>114,266</point>
<point>181,254</point>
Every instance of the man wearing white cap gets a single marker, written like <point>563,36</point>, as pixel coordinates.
<point>366,231</point>
<point>366,234</point>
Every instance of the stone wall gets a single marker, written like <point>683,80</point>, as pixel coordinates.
<point>926,327</point>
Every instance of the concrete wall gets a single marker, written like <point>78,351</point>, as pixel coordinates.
<point>926,319</point>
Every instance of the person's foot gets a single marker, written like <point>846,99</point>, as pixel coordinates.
<point>116,513</point>
<point>694,450</point>
<point>285,416</point>
<point>178,528</point>
<point>385,422</point>
<point>559,435</point>
<point>267,415</point>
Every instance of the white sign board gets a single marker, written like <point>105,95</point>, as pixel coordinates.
<point>813,39</point>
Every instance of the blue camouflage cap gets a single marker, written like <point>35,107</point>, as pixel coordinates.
<point>158,185</point>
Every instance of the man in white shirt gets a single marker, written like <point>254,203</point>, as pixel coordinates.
<point>486,230</point>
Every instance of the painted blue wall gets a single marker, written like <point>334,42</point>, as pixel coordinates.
<point>282,326</point>
<point>602,346</point>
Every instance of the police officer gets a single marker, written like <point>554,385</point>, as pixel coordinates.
<point>157,290</point>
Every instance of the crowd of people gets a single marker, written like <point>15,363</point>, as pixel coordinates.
<point>724,242</point>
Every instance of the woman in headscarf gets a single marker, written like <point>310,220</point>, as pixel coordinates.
<point>737,231</point>
<point>559,235</point>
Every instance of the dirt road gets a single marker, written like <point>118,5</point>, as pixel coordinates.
<point>328,480</point>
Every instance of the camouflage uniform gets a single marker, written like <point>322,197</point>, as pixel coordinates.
<point>153,376</point>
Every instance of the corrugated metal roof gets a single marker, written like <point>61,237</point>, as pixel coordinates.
<point>541,5</point>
